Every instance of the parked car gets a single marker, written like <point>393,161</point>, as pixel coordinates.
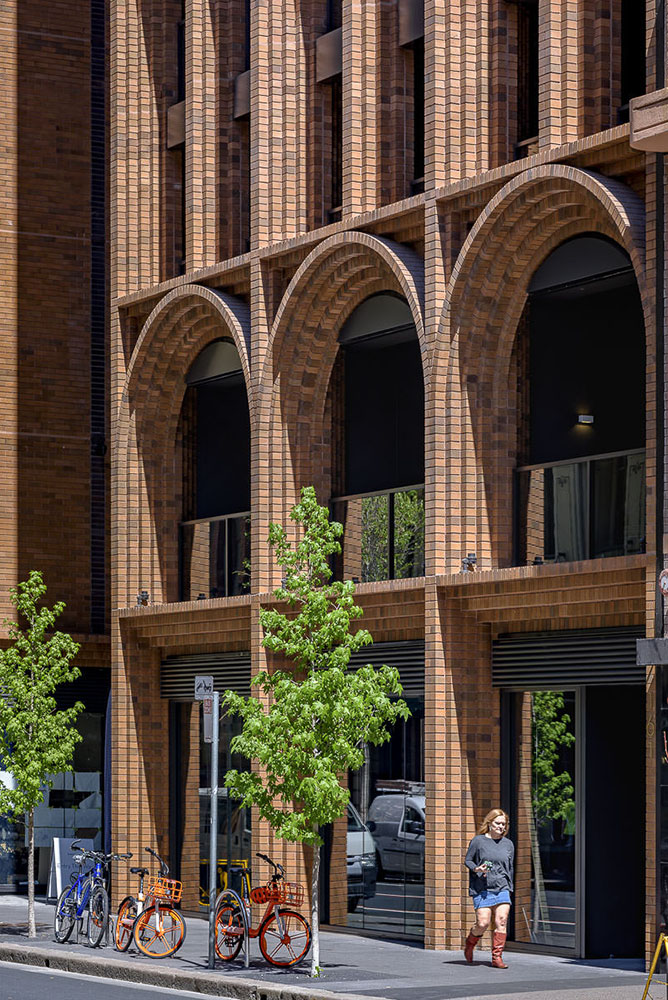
<point>361,860</point>
<point>397,824</point>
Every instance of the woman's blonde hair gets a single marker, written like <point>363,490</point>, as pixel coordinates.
<point>489,819</point>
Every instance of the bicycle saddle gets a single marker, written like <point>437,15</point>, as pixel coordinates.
<point>139,871</point>
<point>236,869</point>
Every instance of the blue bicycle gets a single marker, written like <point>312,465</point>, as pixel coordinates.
<point>86,895</point>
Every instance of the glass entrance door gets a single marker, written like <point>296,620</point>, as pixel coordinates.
<point>547,752</point>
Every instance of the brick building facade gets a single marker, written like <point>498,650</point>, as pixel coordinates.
<point>274,167</point>
<point>54,495</point>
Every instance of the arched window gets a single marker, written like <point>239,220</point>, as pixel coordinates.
<point>581,382</point>
<point>215,434</point>
<point>379,442</point>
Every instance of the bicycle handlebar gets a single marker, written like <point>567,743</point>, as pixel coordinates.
<point>164,869</point>
<point>279,870</point>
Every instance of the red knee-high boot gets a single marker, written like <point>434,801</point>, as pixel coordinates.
<point>471,941</point>
<point>498,941</point>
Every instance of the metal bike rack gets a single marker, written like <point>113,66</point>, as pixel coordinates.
<point>236,898</point>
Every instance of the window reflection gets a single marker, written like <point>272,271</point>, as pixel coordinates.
<point>383,536</point>
<point>582,510</point>
<point>230,812</point>
<point>385,834</point>
<point>215,557</point>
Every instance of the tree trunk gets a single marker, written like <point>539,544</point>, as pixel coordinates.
<point>315,910</point>
<point>32,930</point>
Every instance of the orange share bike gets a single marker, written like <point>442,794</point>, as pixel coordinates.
<point>151,919</point>
<point>285,935</point>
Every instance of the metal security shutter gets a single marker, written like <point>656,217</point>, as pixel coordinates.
<point>229,670</point>
<point>407,657</point>
<point>567,659</point>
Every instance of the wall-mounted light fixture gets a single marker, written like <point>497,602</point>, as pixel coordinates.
<point>586,418</point>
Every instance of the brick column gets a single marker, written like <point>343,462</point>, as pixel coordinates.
<point>360,106</point>
<point>278,122</point>
<point>471,757</point>
<point>9,303</point>
<point>559,71</point>
<point>457,66</point>
<point>202,167</point>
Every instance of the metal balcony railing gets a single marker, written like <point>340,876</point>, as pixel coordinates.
<point>383,535</point>
<point>215,557</point>
<point>586,508</point>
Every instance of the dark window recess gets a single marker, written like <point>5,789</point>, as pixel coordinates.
<point>633,54</point>
<point>223,448</point>
<point>384,407</point>
<point>247,35</point>
<point>97,318</point>
<point>333,14</point>
<point>336,193</point>
<point>181,61</point>
<point>587,357</point>
<point>527,70</point>
<point>418,115</point>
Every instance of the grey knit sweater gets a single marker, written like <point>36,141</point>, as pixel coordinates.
<point>502,855</point>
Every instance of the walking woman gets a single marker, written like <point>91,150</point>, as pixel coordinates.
<point>490,860</point>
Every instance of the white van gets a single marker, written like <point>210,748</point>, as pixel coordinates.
<point>397,824</point>
<point>361,859</point>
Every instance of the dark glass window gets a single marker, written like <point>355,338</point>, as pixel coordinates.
<point>384,406</point>
<point>527,70</point>
<point>633,53</point>
<point>223,448</point>
<point>336,194</point>
<point>418,109</point>
<point>333,14</point>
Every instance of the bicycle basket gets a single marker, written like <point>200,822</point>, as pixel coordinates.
<point>165,888</point>
<point>279,892</point>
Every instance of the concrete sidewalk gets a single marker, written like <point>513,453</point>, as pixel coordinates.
<point>352,965</point>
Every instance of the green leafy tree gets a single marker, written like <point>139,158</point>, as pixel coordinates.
<point>310,724</point>
<point>37,740</point>
<point>553,795</point>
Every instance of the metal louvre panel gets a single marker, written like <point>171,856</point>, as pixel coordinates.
<point>407,657</point>
<point>229,671</point>
<point>567,659</point>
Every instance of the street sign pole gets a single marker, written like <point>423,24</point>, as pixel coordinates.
<point>213,842</point>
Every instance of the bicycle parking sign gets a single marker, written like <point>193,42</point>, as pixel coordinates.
<point>203,686</point>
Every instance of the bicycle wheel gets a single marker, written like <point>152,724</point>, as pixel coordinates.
<point>229,931</point>
<point>159,934</point>
<point>287,945</point>
<point>127,914</point>
<point>98,915</point>
<point>65,915</point>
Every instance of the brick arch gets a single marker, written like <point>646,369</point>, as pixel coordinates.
<point>148,476</point>
<point>335,278</point>
<point>528,218</point>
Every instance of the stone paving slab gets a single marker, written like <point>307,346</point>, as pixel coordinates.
<point>352,965</point>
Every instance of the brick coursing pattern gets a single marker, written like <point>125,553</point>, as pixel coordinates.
<point>462,256</point>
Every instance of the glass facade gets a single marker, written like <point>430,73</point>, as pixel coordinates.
<point>544,824</point>
<point>385,833</point>
<point>234,820</point>
<point>72,807</point>
<point>383,535</point>
<point>215,557</point>
<point>586,509</point>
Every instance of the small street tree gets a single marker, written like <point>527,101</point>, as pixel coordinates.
<point>310,724</point>
<point>36,739</point>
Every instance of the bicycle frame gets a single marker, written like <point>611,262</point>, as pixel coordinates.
<point>245,904</point>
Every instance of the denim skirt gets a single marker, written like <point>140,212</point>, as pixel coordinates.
<point>488,899</point>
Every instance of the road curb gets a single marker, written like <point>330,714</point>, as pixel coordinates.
<point>207,983</point>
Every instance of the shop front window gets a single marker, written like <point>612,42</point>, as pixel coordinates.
<point>385,835</point>
<point>234,819</point>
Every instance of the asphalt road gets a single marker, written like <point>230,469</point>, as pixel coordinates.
<point>20,983</point>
